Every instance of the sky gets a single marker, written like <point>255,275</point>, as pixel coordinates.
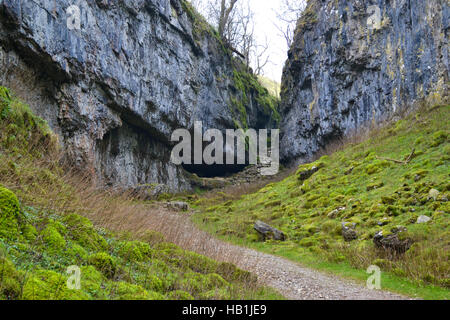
<point>265,19</point>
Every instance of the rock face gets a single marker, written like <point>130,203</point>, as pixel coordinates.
<point>115,89</point>
<point>347,68</point>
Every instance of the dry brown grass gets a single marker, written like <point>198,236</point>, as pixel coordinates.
<point>44,184</point>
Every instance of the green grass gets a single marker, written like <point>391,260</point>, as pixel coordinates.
<point>273,86</point>
<point>43,231</point>
<point>371,190</point>
<point>290,251</point>
<point>34,260</point>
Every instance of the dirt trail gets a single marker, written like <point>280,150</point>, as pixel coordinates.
<point>290,279</point>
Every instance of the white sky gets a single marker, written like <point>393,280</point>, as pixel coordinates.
<point>265,19</point>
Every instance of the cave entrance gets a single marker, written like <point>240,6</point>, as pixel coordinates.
<point>214,171</point>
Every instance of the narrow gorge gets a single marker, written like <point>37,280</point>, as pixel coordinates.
<point>93,91</point>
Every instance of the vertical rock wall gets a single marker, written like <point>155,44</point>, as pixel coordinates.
<point>348,68</point>
<point>117,88</point>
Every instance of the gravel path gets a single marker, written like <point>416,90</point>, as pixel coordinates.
<point>299,283</point>
<point>289,278</point>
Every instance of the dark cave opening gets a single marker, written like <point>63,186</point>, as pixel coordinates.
<point>225,169</point>
<point>215,170</point>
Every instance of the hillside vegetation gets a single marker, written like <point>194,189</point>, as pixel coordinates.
<point>332,209</point>
<point>271,85</point>
<point>44,230</point>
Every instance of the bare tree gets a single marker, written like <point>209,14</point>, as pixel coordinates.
<point>260,58</point>
<point>234,20</point>
<point>226,9</point>
<point>226,16</point>
<point>288,14</point>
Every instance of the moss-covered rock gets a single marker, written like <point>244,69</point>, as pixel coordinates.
<point>377,166</point>
<point>29,232</point>
<point>439,138</point>
<point>10,280</point>
<point>135,251</point>
<point>104,263</point>
<point>82,230</point>
<point>76,251</point>
<point>10,214</point>
<point>54,241</point>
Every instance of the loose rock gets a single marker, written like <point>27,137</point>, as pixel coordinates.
<point>348,231</point>
<point>423,219</point>
<point>268,232</point>
<point>392,243</point>
<point>178,206</point>
<point>433,194</point>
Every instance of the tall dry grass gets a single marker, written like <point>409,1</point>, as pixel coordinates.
<point>49,183</point>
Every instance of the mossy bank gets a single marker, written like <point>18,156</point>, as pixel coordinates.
<point>331,210</point>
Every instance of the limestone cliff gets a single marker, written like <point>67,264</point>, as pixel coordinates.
<point>354,62</point>
<point>117,87</point>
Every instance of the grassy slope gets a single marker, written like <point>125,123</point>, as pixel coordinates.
<point>371,191</point>
<point>271,85</point>
<point>46,233</point>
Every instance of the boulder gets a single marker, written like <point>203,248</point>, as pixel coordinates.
<point>433,194</point>
<point>391,242</point>
<point>268,232</point>
<point>178,206</point>
<point>348,231</point>
<point>423,219</point>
